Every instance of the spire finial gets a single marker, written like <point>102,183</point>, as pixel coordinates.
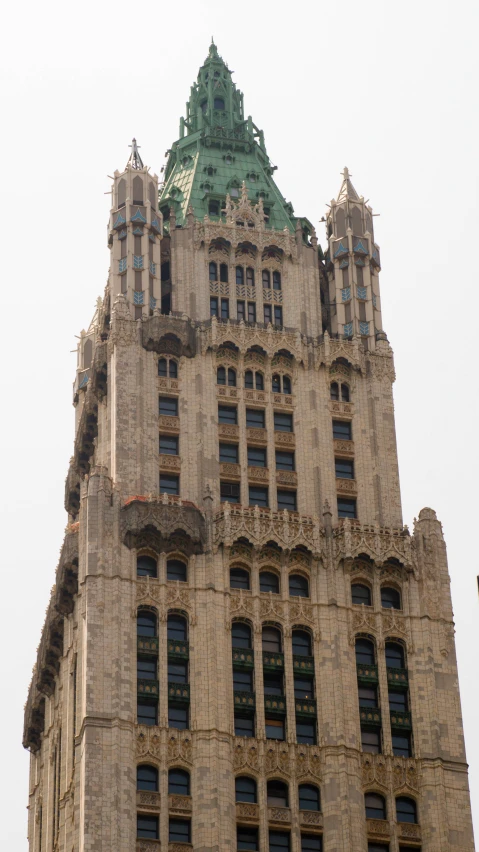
<point>134,160</point>
<point>347,189</point>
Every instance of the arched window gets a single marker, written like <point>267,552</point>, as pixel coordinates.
<point>302,643</point>
<point>334,390</point>
<point>286,384</point>
<point>344,393</point>
<point>394,655</point>
<point>177,627</point>
<point>224,272</point>
<point>240,635</point>
<point>249,379</point>
<point>298,586</point>
<point>178,782</point>
<point>269,582</point>
<point>271,639</point>
<point>147,778</point>
<point>276,280</point>
<point>390,598</point>
<point>365,652</point>
<point>163,367</point>
<point>239,275</point>
<point>245,789</point>
<point>361,594</point>
<point>266,279</point>
<point>277,794</point>
<point>176,570</point>
<point>146,623</point>
<point>231,377</point>
<point>276,384</point>
<point>219,103</point>
<point>221,376</point>
<point>173,370</point>
<point>146,566</point>
<point>239,578</point>
<point>375,806</point>
<point>259,381</point>
<point>309,799</point>
<point>137,190</point>
<point>406,810</point>
<point>213,271</point>
<point>250,276</point>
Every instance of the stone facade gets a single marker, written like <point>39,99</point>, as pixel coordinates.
<point>321,364</point>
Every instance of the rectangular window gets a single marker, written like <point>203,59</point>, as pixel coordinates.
<point>398,702</point>
<point>179,831</point>
<point>284,461</point>
<point>274,729</point>
<point>146,668</point>
<point>213,306</point>
<point>273,684</point>
<point>256,457</point>
<point>146,713</point>
<point>346,508</point>
<point>344,468</point>
<point>251,311</point>
<point>147,826</point>
<point>342,430</point>
<point>168,406</point>
<point>279,841</point>
<point>229,492</point>
<point>258,496</point>
<point>229,453</point>
<point>240,311</point>
<point>311,843</point>
<point>278,315</point>
<point>244,726</point>
<point>306,732</point>
<point>255,418</point>
<point>169,445</point>
<point>303,687</point>
<point>384,847</point>
<point>178,672</point>
<point>228,414</point>
<point>402,745</point>
<point>268,314</point>
<point>243,681</point>
<point>170,484</point>
<point>286,500</point>
<point>362,311</point>
<point>225,309</point>
<point>178,717</point>
<point>368,696</point>
<point>371,741</point>
<point>247,838</point>
<point>283,422</point>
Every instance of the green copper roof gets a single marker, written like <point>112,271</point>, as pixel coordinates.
<point>217,150</point>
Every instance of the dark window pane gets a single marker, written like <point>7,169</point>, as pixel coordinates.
<point>221,376</point>
<point>259,381</point>
<point>301,643</point>
<point>346,508</point>
<point>147,826</point>
<point>239,275</point>
<point>245,789</point>
<point>360,594</point>
<point>371,741</point>
<point>276,281</point>
<point>231,377</point>
<point>277,794</point>
<point>213,306</point>
<point>274,729</point>
<point>177,628</point>
<point>244,726</point>
<point>286,384</point>
<point>173,370</point>
<point>239,578</point>
<point>250,276</point>
<point>225,308</point>
<point>344,468</point>
<point>246,838</point>
<point>168,406</point>
<point>147,778</point>
<point>394,655</point>
<point>344,393</point>
<point>278,315</point>
<point>146,713</point>
<point>268,314</point>
<point>223,272</point>
<point>375,806</point>
<point>146,566</point>
<point>334,391</point>
<point>162,367</point>
<point>383,847</point>
<point>176,570</point>
<point>248,379</point>
<point>251,312</point>
<point>286,500</point>
<point>390,598</point>
<point>303,687</point>
<point>271,639</point>
<point>406,809</point>
<point>240,635</point>
<point>258,496</point>
<point>146,668</point>
<point>240,311</point>
<point>146,623</point>
<point>283,422</point>
<point>179,831</point>
<point>213,207</point>
<point>273,684</point>
<point>298,586</point>
<point>243,681</point>
<point>365,652</point>
<point>219,103</point>
<point>229,453</point>
<point>227,414</point>
<point>178,672</point>
<point>342,430</point>
<point>178,717</point>
<point>309,797</point>
<point>213,271</point>
<point>284,461</point>
<point>265,277</point>
<point>368,696</point>
<point>178,782</point>
<point>256,457</point>
<point>306,732</point>
<point>170,484</point>
<point>279,841</point>
<point>269,582</point>
<point>229,492</point>
<point>402,745</point>
<point>398,701</point>
<point>311,843</point>
<point>169,445</point>
<point>276,384</point>
<point>255,418</point>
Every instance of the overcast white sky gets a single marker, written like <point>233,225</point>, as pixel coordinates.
<point>390,90</point>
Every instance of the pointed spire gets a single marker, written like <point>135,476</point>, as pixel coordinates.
<point>134,160</point>
<point>347,189</point>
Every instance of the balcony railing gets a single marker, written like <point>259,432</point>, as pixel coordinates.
<point>243,700</point>
<point>177,650</point>
<point>179,804</point>
<point>370,716</point>
<point>246,811</point>
<point>275,705</point>
<point>305,706</point>
<point>367,673</point>
<point>312,818</point>
<point>243,658</point>
<point>303,664</point>
<point>401,720</point>
<point>178,693</point>
<point>397,677</point>
<point>378,827</point>
<point>147,645</point>
<point>409,831</point>
<point>147,687</point>
<point>273,662</point>
<point>279,814</point>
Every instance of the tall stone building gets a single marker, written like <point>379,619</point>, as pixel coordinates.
<point>245,648</point>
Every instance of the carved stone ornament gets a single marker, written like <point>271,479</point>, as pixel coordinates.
<point>241,602</point>
<point>169,335</point>
<point>180,747</point>
<point>149,521</point>
<point>300,610</point>
<point>270,606</point>
<point>308,762</point>
<point>148,742</point>
<point>262,525</point>
<point>276,758</point>
<point>245,755</point>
